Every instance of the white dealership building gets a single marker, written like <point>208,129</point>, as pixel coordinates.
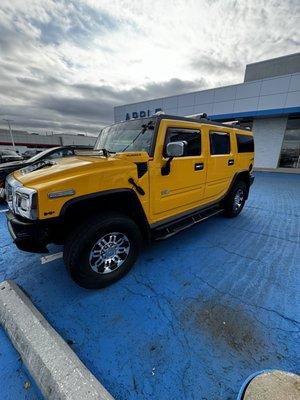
<point>268,101</point>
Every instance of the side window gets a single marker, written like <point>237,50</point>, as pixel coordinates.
<point>219,143</point>
<point>67,152</point>
<point>245,143</point>
<point>191,136</point>
<point>56,154</point>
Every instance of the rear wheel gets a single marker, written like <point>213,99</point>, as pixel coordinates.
<point>235,201</point>
<point>102,250</point>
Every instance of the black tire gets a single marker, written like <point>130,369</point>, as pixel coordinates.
<point>81,242</point>
<point>231,208</point>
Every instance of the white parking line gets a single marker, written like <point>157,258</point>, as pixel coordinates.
<point>3,211</point>
<point>51,257</point>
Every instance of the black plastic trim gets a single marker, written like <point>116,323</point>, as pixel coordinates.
<point>142,168</point>
<point>28,236</point>
<point>93,196</point>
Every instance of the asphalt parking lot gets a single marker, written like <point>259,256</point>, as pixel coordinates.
<point>197,314</point>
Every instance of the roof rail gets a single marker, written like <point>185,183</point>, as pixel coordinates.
<point>198,116</point>
<point>235,124</point>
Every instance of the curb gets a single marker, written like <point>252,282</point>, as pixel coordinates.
<point>56,369</point>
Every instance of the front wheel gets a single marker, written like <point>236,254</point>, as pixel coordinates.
<point>102,250</point>
<point>235,201</point>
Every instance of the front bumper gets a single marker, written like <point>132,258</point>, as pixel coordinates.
<point>27,235</point>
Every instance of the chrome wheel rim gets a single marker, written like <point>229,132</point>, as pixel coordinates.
<point>238,199</point>
<point>109,252</point>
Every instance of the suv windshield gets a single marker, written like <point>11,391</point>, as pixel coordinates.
<point>133,135</point>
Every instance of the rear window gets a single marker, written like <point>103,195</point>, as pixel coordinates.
<point>245,143</point>
<point>219,143</point>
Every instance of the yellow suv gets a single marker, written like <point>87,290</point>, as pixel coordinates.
<point>146,179</point>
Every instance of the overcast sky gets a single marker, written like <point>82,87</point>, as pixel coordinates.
<point>64,64</point>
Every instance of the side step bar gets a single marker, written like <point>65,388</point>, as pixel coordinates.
<point>166,231</point>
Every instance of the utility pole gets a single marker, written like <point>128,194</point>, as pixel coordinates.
<point>10,131</point>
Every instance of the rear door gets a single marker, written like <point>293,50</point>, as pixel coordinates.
<point>220,162</point>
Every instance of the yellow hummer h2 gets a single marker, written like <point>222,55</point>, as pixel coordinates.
<point>146,179</point>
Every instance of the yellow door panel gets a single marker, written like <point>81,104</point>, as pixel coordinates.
<point>183,189</point>
<point>220,167</point>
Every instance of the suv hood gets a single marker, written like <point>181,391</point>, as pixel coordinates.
<point>70,167</point>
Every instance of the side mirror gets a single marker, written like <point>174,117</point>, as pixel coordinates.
<point>175,149</point>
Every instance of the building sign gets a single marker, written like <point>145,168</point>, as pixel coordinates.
<point>141,114</point>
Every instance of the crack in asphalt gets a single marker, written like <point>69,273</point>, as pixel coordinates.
<point>183,341</point>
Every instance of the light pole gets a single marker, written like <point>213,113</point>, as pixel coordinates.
<point>10,131</point>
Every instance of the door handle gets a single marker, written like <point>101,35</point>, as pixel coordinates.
<point>230,162</point>
<point>199,166</point>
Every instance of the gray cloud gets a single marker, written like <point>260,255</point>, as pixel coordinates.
<point>217,66</point>
<point>89,104</point>
<point>47,83</point>
<point>79,24</point>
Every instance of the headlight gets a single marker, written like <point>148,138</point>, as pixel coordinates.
<point>21,200</point>
<point>25,202</point>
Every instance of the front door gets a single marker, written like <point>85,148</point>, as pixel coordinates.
<point>183,188</point>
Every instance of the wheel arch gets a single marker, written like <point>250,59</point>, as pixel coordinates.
<point>124,201</point>
<point>243,176</point>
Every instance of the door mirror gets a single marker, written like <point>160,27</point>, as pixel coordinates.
<point>175,149</point>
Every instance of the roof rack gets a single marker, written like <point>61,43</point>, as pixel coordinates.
<point>235,124</point>
<point>198,116</point>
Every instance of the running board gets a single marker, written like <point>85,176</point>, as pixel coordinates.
<point>165,232</point>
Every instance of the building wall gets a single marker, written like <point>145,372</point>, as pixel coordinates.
<point>276,66</point>
<point>268,138</point>
<point>277,96</point>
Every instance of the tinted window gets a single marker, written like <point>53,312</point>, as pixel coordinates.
<point>8,153</point>
<point>245,143</point>
<point>61,153</point>
<point>192,137</point>
<point>219,143</point>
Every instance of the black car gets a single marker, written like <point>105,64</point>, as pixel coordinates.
<point>9,156</point>
<point>30,153</point>
<point>49,154</point>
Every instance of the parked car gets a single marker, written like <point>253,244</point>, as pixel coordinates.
<point>8,156</point>
<point>33,162</point>
<point>30,153</point>
<point>151,178</point>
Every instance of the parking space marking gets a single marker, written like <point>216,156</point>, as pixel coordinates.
<point>4,211</point>
<point>51,257</point>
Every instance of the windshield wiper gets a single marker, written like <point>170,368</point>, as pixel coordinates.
<point>145,128</point>
<point>106,152</point>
